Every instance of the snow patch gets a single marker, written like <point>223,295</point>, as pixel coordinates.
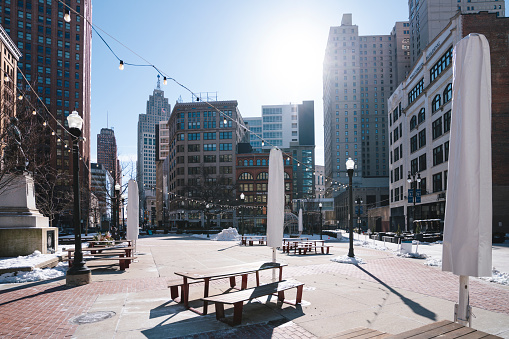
<point>498,277</point>
<point>228,234</point>
<point>348,260</point>
<point>412,255</point>
<point>433,262</point>
<point>30,260</point>
<point>35,275</point>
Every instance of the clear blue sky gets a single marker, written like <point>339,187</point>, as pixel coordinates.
<point>256,52</point>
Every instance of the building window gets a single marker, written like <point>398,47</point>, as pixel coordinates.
<point>413,122</point>
<point>422,115</point>
<point>416,91</point>
<point>437,182</point>
<point>422,138</point>
<point>413,144</point>
<point>422,162</point>
<point>447,121</point>
<point>438,155</point>
<point>436,103</point>
<point>437,128</point>
<point>446,151</point>
<point>448,93</point>
<point>246,176</point>
<point>441,65</point>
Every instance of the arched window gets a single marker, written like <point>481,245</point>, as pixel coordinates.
<point>240,162</point>
<point>245,162</point>
<point>246,176</point>
<point>422,115</point>
<point>413,122</point>
<point>262,176</point>
<point>448,93</point>
<point>435,104</point>
<point>287,176</point>
<point>258,162</point>
<point>264,162</point>
<point>251,162</point>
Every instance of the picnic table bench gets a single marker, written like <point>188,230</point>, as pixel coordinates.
<point>306,246</point>
<point>237,298</point>
<point>444,329</point>
<point>245,240</point>
<point>230,272</point>
<point>121,254</point>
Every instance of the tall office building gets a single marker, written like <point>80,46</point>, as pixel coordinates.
<point>9,56</point>
<point>158,109</point>
<point>255,132</point>
<point>429,17</point>
<point>56,61</point>
<point>107,152</point>
<point>359,75</point>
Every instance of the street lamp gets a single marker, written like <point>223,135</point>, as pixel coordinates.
<point>321,220</point>
<point>208,219</point>
<point>123,218</point>
<point>117,203</point>
<point>242,197</point>
<point>412,180</point>
<point>79,273</point>
<point>350,164</point>
<point>358,201</point>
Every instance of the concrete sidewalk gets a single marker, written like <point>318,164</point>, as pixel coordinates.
<point>388,293</point>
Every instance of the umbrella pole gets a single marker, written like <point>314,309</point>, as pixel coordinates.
<point>273,260</point>
<point>462,314</point>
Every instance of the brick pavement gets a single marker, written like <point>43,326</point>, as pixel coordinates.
<point>43,310</point>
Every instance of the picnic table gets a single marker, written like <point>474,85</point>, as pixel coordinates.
<point>121,253</point>
<point>231,272</point>
<point>285,240</point>
<point>98,243</point>
<point>245,239</point>
<point>304,246</point>
<point>444,329</point>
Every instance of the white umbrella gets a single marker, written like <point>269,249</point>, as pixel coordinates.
<point>301,226</point>
<point>468,211</point>
<point>133,212</point>
<point>275,203</point>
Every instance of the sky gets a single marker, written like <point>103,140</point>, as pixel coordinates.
<point>263,52</point>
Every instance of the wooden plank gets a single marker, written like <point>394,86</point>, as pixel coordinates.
<point>422,329</point>
<point>230,270</point>
<point>458,333</point>
<point>252,293</point>
<point>359,333</point>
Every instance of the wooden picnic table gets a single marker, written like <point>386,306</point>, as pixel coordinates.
<point>285,240</point>
<point>251,238</point>
<point>224,272</point>
<point>111,253</point>
<point>444,329</point>
<point>93,243</point>
<point>303,244</point>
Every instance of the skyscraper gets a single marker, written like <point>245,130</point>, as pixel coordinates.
<point>359,74</point>
<point>429,17</point>
<point>107,152</point>
<point>158,109</point>
<point>56,61</point>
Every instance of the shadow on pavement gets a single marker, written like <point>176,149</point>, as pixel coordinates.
<point>417,308</point>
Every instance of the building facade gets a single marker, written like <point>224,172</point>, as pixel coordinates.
<point>158,109</point>
<point>107,152</point>
<point>429,17</point>
<point>102,186</point>
<point>359,74</point>
<point>255,132</point>
<point>420,115</point>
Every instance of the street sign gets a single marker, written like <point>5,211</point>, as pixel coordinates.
<point>410,195</point>
<point>418,196</point>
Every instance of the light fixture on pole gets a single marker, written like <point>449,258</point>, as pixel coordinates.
<point>78,273</point>
<point>412,180</point>
<point>358,201</point>
<point>350,164</point>
<point>321,220</point>
<point>242,197</point>
<point>207,207</point>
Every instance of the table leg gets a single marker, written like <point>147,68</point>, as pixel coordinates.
<point>205,294</point>
<point>280,273</point>
<point>257,278</point>
<point>237,313</point>
<point>185,293</point>
<point>219,311</point>
<point>232,282</point>
<point>243,286</point>
<point>298,300</point>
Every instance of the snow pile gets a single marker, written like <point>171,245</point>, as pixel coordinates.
<point>35,275</point>
<point>498,277</point>
<point>348,260</point>
<point>30,260</point>
<point>228,234</point>
<point>412,255</point>
<point>370,244</point>
<point>433,262</point>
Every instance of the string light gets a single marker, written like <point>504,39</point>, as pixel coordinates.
<point>44,123</point>
<point>34,112</point>
<point>165,81</point>
<point>67,16</point>
<point>20,97</point>
<point>121,66</point>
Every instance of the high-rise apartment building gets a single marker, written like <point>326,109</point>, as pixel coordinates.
<point>9,56</point>
<point>158,109</point>
<point>102,185</point>
<point>255,132</point>
<point>107,152</point>
<point>429,17</point>
<point>359,75</point>
<point>56,62</point>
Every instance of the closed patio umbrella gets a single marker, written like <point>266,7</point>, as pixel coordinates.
<point>301,226</point>
<point>275,202</point>
<point>468,211</point>
<point>133,213</point>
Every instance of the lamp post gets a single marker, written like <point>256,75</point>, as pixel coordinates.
<point>117,203</point>
<point>358,201</point>
<point>321,220</point>
<point>350,164</point>
<point>242,197</point>
<point>79,273</point>
<point>412,180</point>
<point>123,218</point>
<point>207,207</point>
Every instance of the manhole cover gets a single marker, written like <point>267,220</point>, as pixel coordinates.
<point>92,317</point>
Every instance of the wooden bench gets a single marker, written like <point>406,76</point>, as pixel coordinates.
<point>444,329</point>
<point>123,259</point>
<point>237,298</point>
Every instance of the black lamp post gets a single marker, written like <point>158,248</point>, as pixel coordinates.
<point>242,197</point>
<point>350,164</point>
<point>123,218</point>
<point>117,203</point>
<point>321,220</point>
<point>207,207</point>
<point>413,181</point>
<point>358,201</point>
<point>79,273</point>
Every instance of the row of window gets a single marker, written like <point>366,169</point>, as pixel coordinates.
<point>260,176</point>
<point>206,136</point>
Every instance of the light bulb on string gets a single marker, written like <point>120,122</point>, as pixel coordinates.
<point>34,112</point>
<point>165,82</point>
<point>225,122</point>
<point>67,16</point>
<point>20,97</point>
<point>121,66</point>
<point>44,123</point>
<point>52,132</point>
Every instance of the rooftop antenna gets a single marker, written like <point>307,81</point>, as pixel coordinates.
<point>158,82</point>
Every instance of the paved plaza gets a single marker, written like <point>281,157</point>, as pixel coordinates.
<point>388,293</point>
